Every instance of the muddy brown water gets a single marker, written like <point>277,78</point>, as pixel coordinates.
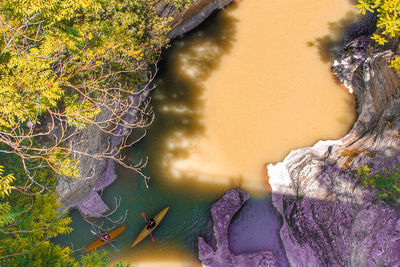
<point>249,85</point>
<point>271,91</point>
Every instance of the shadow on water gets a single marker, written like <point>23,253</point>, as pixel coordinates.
<point>178,99</point>
<point>178,106</point>
<point>328,44</point>
<point>342,32</point>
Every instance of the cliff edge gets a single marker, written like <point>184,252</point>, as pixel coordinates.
<point>330,219</point>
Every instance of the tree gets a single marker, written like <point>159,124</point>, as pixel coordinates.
<point>62,63</point>
<point>26,230</point>
<point>388,16</point>
<point>387,184</point>
<point>28,222</point>
<point>181,4</point>
<point>95,258</point>
<point>388,24</point>
<point>65,66</point>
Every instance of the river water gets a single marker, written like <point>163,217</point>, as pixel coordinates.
<point>242,90</point>
<point>272,91</point>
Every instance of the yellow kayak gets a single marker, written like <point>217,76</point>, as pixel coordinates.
<point>145,232</point>
<point>100,242</point>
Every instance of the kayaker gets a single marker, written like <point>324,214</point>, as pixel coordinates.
<point>151,223</point>
<point>105,237</point>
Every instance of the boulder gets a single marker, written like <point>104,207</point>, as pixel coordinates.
<point>329,218</point>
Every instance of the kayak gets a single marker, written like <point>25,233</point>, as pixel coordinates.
<point>145,232</point>
<point>100,242</point>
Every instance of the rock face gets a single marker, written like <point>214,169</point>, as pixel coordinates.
<point>328,218</point>
<point>222,213</point>
<point>100,172</point>
<point>186,20</point>
<point>83,194</point>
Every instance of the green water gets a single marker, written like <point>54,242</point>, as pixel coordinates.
<point>178,103</point>
<point>188,199</point>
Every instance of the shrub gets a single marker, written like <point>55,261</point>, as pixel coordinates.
<point>387,184</point>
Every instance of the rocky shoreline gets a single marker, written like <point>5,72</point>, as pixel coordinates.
<point>328,218</point>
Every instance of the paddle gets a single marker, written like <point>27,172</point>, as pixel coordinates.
<point>115,248</point>
<point>144,217</point>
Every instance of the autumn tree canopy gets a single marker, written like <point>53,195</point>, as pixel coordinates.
<point>388,23</point>
<point>388,13</point>
<point>64,63</point>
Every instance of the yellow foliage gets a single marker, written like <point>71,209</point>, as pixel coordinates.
<point>363,7</point>
<point>388,12</point>
<point>66,59</point>
<point>5,183</point>
<point>395,64</point>
<point>379,39</point>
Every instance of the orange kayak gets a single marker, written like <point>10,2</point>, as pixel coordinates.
<point>100,242</point>
<point>145,232</point>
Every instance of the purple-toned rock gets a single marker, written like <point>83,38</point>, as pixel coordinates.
<point>255,227</point>
<point>329,219</point>
<point>222,212</point>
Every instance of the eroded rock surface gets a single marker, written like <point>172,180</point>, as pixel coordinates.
<point>328,218</point>
<point>186,20</point>
<point>222,212</point>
